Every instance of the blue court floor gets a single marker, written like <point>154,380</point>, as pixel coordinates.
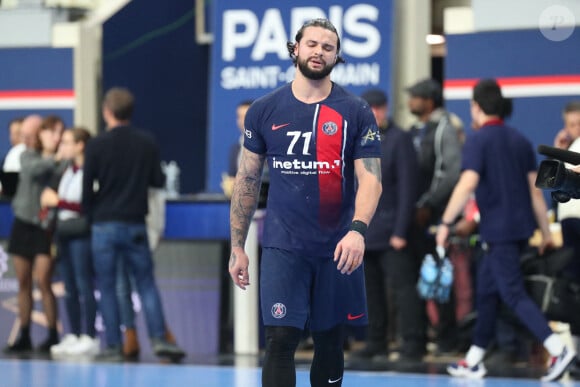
<point>42,373</point>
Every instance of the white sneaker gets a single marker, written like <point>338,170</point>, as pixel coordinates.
<point>85,346</point>
<point>462,370</point>
<point>67,341</point>
<point>557,365</point>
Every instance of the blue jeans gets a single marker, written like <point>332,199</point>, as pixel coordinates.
<point>76,267</point>
<point>124,291</point>
<point>114,241</point>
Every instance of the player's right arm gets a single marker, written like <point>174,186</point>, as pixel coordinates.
<point>243,205</point>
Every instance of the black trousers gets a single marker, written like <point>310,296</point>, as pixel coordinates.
<point>398,270</point>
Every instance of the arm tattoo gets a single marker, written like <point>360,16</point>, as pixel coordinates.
<point>245,196</point>
<point>233,259</point>
<point>373,166</point>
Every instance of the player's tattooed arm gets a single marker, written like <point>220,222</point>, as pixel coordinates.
<point>373,166</point>
<point>245,196</point>
<point>368,175</point>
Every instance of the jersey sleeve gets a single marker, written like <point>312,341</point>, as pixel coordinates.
<point>368,140</point>
<point>253,139</point>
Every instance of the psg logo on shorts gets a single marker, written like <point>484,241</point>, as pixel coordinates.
<point>329,128</point>
<point>278,310</point>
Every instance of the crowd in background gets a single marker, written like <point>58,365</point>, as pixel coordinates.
<point>80,206</point>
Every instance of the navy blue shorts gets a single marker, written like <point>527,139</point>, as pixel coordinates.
<point>296,289</point>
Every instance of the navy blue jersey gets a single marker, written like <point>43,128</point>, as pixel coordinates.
<point>310,150</point>
<point>502,157</point>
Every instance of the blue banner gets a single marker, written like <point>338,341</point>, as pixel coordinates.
<point>249,57</point>
<point>35,81</point>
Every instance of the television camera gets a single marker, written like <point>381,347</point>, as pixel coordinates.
<point>553,175</point>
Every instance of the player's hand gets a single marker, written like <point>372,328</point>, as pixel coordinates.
<point>238,267</point>
<point>349,252</point>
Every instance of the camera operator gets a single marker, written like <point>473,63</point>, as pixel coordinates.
<point>569,213</point>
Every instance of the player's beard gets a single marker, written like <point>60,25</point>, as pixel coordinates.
<point>314,75</point>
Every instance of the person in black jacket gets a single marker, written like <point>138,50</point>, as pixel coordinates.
<point>439,154</point>
<point>120,165</point>
<point>387,257</point>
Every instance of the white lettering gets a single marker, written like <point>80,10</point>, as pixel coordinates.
<point>271,34</point>
<point>353,25</point>
<point>322,167</point>
<point>241,28</point>
<point>357,74</point>
<point>265,77</point>
<point>335,13</point>
<point>233,39</point>
<point>268,77</point>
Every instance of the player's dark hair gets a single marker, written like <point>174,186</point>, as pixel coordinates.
<point>321,22</point>
<point>487,94</point>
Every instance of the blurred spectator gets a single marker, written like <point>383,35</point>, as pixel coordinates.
<point>74,250</point>
<point>439,154</point>
<point>30,240</point>
<point>236,149</point>
<point>12,160</point>
<point>117,208</point>
<point>388,259</point>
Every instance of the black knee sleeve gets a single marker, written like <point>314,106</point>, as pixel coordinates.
<point>328,364</point>
<point>279,369</point>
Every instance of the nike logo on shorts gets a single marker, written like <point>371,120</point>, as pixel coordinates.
<point>334,381</point>
<point>351,317</point>
<point>276,127</point>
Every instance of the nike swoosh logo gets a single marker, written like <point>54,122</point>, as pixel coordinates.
<point>276,127</point>
<point>354,317</point>
<point>334,381</point>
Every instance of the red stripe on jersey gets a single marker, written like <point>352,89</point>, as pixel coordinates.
<point>329,149</point>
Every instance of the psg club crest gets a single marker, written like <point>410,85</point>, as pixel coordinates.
<point>329,128</point>
<point>278,310</point>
